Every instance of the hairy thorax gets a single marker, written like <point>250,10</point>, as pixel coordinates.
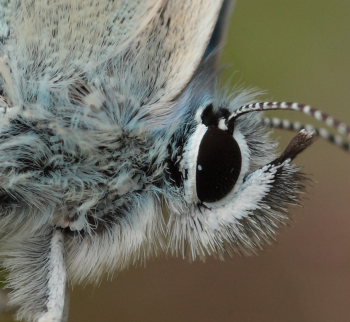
<point>80,172</point>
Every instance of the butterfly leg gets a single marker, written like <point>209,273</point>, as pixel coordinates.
<point>37,277</point>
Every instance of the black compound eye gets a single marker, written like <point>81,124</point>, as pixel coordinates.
<point>219,163</point>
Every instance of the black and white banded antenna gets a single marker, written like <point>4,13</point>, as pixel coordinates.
<point>340,127</point>
<point>285,124</point>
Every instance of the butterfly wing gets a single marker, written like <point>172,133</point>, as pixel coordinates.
<point>220,31</point>
<point>165,56</point>
<point>4,23</point>
<point>151,47</point>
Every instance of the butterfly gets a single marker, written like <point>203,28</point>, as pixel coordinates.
<point>112,117</point>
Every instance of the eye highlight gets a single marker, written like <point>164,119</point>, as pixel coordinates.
<point>218,166</point>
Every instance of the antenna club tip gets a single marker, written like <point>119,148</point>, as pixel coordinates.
<point>307,134</point>
<point>298,144</point>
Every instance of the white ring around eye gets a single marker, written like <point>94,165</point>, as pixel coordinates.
<point>189,164</point>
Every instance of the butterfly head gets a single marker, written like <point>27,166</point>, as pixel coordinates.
<point>227,186</point>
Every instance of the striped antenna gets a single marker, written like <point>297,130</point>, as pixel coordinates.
<point>297,126</point>
<point>340,127</point>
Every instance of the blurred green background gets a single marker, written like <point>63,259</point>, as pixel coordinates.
<point>296,50</point>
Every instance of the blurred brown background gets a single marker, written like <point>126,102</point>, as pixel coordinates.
<point>296,50</point>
